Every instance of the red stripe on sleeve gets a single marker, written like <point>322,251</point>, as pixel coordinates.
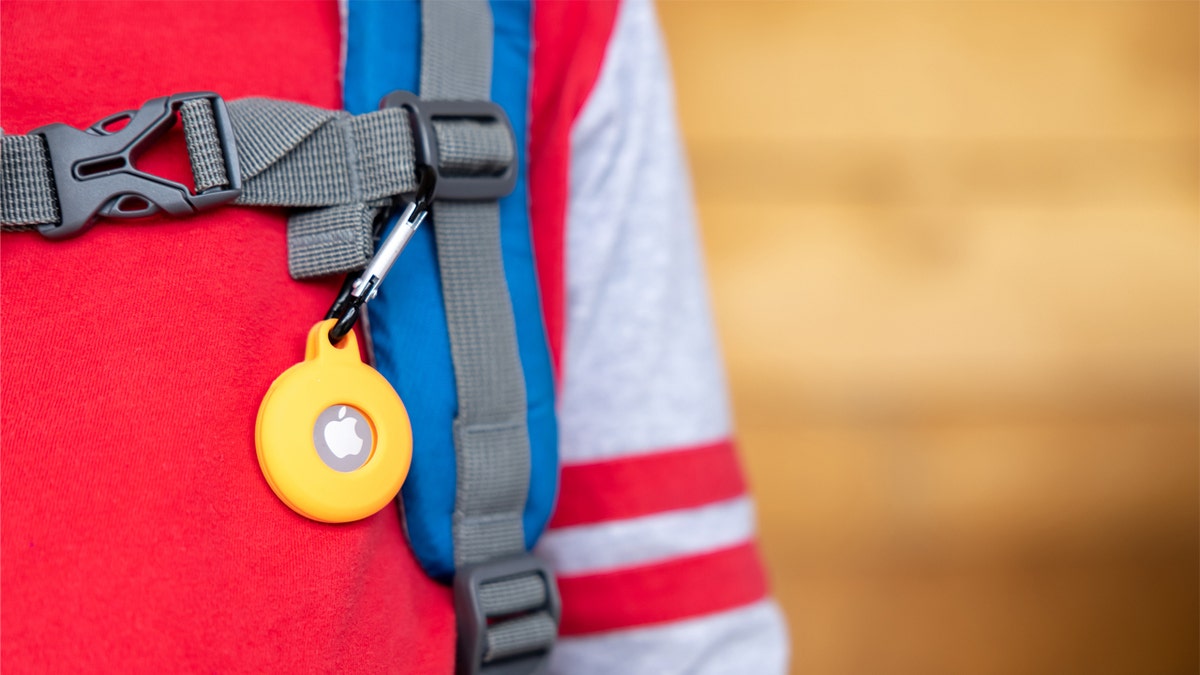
<point>569,43</point>
<point>629,487</point>
<point>668,591</point>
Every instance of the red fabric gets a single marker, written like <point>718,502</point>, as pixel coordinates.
<point>629,487</point>
<point>569,42</point>
<point>138,533</point>
<point>676,589</point>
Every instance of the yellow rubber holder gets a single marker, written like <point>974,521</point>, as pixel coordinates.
<point>330,376</point>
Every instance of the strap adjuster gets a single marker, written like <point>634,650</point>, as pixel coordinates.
<point>423,113</point>
<point>95,175</point>
<point>502,606</point>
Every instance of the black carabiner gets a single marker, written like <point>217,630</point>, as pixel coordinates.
<point>358,289</point>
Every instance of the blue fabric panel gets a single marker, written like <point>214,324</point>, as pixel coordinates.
<point>408,321</point>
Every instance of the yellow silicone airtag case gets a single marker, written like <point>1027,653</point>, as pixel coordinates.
<point>333,437</point>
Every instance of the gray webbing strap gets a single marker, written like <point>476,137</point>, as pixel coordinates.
<point>512,596</point>
<point>491,436</point>
<point>517,636</point>
<point>26,185</point>
<point>342,167</point>
<point>456,50</point>
<point>204,149</point>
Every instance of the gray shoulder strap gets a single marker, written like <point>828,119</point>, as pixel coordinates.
<point>495,576</point>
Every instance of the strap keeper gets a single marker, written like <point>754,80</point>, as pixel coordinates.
<point>491,597</point>
<point>331,240</point>
<point>423,113</point>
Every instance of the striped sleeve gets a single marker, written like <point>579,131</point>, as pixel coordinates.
<point>653,536</point>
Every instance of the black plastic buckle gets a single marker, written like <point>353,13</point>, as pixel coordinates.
<point>473,623</point>
<point>422,114</point>
<point>94,170</point>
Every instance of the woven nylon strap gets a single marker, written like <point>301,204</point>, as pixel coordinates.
<point>341,169</point>
<point>26,186</point>
<point>491,438</point>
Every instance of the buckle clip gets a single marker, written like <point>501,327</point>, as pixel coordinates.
<point>473,621</point>
<point>423,112</point>
<point>94,172</point>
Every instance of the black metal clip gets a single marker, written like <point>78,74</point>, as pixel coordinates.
<point>358,289</point>
<point>94,172</point>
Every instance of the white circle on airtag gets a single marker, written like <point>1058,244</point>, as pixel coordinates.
<point>342,437</point>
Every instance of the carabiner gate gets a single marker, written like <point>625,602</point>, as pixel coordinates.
<point>358,290</point>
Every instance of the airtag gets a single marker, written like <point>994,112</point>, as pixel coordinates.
<point>333,438</point>
<point>343,438</point>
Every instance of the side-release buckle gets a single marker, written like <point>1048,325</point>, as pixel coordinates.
<point>522,630</point>
<point>423,112</point>
<point>95,175</point>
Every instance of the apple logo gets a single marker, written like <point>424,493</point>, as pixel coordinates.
<point>340,436</point>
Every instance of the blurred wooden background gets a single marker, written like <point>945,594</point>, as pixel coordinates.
<point>954,256</point>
